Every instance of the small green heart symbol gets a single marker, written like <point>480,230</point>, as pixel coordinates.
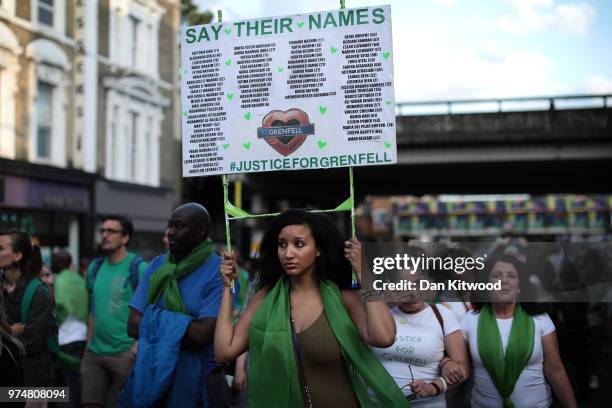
<point>388,102</point>
<point>387,145</point>
<point>247,145</point>
<point>321,144</point>
<point>300,24</point>
<point>225,146</point>
<point>333,50</point>
<point>229,96</point>
<point>386,54</point>
<point>322,109</point>
<point>185,71</point>
<point>280,69</point>
<point>228,62</point>
<point>247,116</point>
<point>185,114</point>
<point>227,31</point>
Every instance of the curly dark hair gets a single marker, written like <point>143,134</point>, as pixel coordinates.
<point>526,288</point>
<point>331,265</point>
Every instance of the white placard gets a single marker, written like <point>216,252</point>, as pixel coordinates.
<point>307,91</point>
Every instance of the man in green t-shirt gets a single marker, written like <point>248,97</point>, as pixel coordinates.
<point>109,357</point>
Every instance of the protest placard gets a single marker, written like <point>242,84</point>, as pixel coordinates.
<point>305,91</point>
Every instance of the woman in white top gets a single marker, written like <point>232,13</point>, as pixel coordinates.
<point>428,354</point>
<point>513,346</point>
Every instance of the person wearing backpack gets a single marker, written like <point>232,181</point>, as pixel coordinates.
<point>111,282</point>
<point>27,302</point>
<point>71,299</point>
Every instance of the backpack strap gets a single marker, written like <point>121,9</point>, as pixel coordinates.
<point>26,301</point>
<point>97,264</point>
<point>133,276</point>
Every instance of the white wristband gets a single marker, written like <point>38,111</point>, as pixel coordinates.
<point>443,383</point>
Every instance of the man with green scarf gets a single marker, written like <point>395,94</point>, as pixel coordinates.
<point>184,281</point>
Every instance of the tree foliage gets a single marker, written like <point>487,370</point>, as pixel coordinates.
<point>192,16</point>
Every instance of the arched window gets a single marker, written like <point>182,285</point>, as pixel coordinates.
<point>134,110</point>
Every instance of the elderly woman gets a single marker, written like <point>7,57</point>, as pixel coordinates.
<point>513,345</point>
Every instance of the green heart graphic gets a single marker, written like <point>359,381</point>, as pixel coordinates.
<point>388,102</point>
<point>387,145</point>
<point>228,62</point>
<point>185,114</point>
<point>333,50</point>
<point>229,96</point>
<point>247,145</point>
<point>227,31</point>
<point>185,71</point>
<point>322,109</point>
<point>386,54</point>
<point>225,146</point>
<point>300,24</point>
<point>280,69</point>
<point>247,116</point>
<point>321,144</point>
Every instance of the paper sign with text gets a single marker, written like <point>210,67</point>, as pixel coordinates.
<point>307,91</point>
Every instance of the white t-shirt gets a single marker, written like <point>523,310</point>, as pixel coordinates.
<point>458,307</point>
<point>531,389</point>
<point>71,330</point>
<point>420,343</point>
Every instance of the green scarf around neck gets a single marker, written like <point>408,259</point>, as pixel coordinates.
<point>505,369</point>
<point>273,372</point>
<point>164,281</point>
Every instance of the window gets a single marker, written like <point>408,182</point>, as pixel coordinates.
<point>132,139</point>
<point>149,149</point>
<point>112,151</point>
<point>134,45</point>
<point>44,117</point>
<point>45,12</point>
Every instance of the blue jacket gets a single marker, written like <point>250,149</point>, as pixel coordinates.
<point>162,369</point>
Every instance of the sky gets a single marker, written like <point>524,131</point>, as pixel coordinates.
<point>466,49</point>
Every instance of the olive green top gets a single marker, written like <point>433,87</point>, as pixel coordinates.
<point>324,367</point>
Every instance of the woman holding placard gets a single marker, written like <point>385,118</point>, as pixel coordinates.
<point>306,331</point>
<point>513,345</point>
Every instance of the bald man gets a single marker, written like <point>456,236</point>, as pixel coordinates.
<point>192,267</point>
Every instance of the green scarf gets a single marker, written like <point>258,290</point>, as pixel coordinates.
<point>71,297</point>
<point>505,370</point>
<point>273,372</point>
<point>164,281</point>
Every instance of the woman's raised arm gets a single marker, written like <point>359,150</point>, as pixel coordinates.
<point>231,341</point>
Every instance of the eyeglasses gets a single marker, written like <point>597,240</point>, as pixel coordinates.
<point>109,231</point>
<point>413,395</point>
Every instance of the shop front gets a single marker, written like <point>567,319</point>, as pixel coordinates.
<point>57,213</point>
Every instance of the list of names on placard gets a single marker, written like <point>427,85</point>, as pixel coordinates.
<point>205,110</point>
<point>254,74</point>
<point>306,66</point>
<point>362,91</point>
